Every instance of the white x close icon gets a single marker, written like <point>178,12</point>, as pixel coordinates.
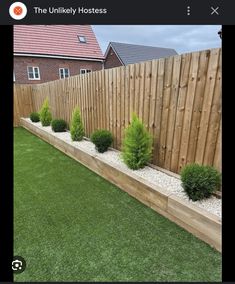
<point>215,10</point>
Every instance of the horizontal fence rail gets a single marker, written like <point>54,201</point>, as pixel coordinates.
<point>178,98</point>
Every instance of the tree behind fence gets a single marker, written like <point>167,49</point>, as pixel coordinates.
<point>178,99</point>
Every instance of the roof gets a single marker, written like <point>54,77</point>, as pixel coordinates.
<point>132,53</point>
<point>56,40</point>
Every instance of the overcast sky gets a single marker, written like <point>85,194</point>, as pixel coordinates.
<point>182,38</point>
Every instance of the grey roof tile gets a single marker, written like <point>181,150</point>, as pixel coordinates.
<point>132,53</point>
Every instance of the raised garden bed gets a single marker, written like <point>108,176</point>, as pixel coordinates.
<point>152,187</point>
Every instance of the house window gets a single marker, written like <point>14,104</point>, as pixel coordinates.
<point>64,73</point>
<point>33,73</point>
<point>82,39</point>
<point>84,71</point>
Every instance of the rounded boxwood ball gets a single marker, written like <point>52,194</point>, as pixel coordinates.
<point>34,116</point>
<point>102,139</point>
<point>58,125</point>
<point>199,182</point>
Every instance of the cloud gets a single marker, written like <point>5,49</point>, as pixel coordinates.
<point>183,38</point>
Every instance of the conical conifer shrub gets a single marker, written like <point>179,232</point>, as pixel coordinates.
<point>76,126</point>
<point>137,145</point>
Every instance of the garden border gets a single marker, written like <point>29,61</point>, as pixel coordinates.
<point>197,221</point>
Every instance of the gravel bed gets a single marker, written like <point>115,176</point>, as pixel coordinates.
<point>169,183</point>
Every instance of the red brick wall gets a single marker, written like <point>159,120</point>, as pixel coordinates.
<point>111,60</point>
<point>49,68</point>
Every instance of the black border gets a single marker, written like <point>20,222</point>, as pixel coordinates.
<point>6,153</point>
<point>228,190</point>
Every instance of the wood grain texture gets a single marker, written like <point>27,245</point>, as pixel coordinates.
<point>177,98</point>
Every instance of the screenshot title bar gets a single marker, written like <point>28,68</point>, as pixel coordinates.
<point>115,12</point>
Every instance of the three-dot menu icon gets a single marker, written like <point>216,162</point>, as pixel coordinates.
<point>188,10</point>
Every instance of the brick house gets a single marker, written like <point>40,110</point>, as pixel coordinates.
<point>44,53</point>
<point>119,54</point>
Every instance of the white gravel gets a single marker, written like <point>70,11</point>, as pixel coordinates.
<point>169,183</point>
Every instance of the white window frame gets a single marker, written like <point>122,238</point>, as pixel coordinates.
<point>14,76</point>
<point>81,70</point>
<point>64,73</point>
<point>82,41</point>
<point>34,78</point>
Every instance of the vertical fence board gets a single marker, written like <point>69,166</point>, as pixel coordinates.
<point>122,102</point>
<point>115,106</point>
<point>127,95</point>
<point>165,110</point>
<point>142,94</point>
<point>218,151</point>
<point>207,103</point>
<point>153,99</point>
<point>172,111</point>
<point>118,95</point>
<point>188,109</point>
<point>132,88</point>
<point>214,120</point>
<point>110,72</point>
<point>137,88</point>
<point>185,65</point>
<point>107,94</point>
<point>197,106</point>
<point>147,93</point>
<point>158,110</point>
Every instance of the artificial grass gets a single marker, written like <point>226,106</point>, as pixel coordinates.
<point>72,225</point>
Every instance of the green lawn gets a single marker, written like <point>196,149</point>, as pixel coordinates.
<point>72,225</point>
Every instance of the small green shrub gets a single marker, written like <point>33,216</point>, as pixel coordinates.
<point>76,127</point>
<point>34,116</point>
<point>102,139</point>
<point>137,145</point>
<point>200,182</point>
<point>45,114</point>
<point>58,125</point>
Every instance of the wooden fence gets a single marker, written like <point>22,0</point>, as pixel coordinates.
<point>178,99</point>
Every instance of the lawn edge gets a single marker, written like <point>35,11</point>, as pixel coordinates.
<point>204,225</point>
